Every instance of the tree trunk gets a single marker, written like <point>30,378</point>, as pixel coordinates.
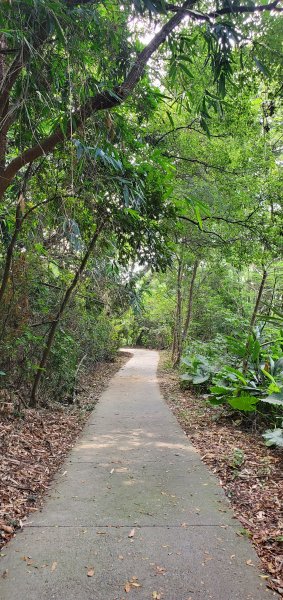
<point>10,251</point>
<point>253,318</point>
<point>55,323</point>
<point>188,314</point>
<point>20,218</point>
<point>178,314</point>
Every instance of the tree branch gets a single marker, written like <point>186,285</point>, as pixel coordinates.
<point>187,127</point>
<point>203,230</point>
<point>201,162</point>
<point>228,10</point>
<point>246,9</point>
<point>101,101</point>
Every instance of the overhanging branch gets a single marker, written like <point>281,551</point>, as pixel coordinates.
<point>101,101</point>
<point>228,10</point>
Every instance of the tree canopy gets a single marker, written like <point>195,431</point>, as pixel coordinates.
<point>140,154</point>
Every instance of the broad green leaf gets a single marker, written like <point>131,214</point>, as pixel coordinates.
<point>198,379</point>
<point>219,389</point>
<point>186,377</point>
<point>243,402</point>
<point>274,437</point>
<point>238,374</point>
<point>276,399</point>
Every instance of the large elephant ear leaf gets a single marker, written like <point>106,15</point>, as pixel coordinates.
<point>244,402</point>
<point>276,399</point>
<point>198,379</point>
<point>274,437</point>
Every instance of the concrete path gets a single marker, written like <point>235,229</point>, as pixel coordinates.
<point>132,469</point>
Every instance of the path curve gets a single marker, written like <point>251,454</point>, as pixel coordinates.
<point>133,471</point>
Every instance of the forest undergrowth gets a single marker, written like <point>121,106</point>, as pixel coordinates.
<point>249,472</point>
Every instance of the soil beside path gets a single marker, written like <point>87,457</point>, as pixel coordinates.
<point>133,513</point>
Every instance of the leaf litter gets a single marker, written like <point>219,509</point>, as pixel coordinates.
<point>34,444</point>
<point>254,484</point>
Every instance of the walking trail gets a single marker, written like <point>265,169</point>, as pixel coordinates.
<point>132,506</point>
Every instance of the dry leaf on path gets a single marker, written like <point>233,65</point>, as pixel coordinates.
<point>90,572</point>
<point>160,570</point>
<point>132,584</point>
<point>250,563</point>
<point>156,596</point>
<point>132,533</point>
<point>6,528</point>
<point>54,565</point>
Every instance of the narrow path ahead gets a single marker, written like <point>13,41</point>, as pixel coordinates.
<point>132,469</point>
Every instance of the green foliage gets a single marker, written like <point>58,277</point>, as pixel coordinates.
<point>181,166</point>
<point>198,369</point>
<point>236,459</point>
<point>274,437</point>
<point>244,389</point>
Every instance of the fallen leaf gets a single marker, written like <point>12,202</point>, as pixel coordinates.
<point>54,565</point>
<point>132,533</point>
<point>156,596</point>
<point>4,574</point>
<point>160,570</point>
<point>132,584</point>
<point>271,567</point>
<point>25,558</point>
<point>250,563</point>
<point>90,572</point>
<point>6,528</point>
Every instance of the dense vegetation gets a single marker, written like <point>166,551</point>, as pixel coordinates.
<point>141,194</point>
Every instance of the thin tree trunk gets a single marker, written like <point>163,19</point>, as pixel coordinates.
<point>253,318</point>
<point>19,220</point>
<point>55,323</point>
<point>188,314</point>
<point>10,251</point>
<point>178,314</point>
